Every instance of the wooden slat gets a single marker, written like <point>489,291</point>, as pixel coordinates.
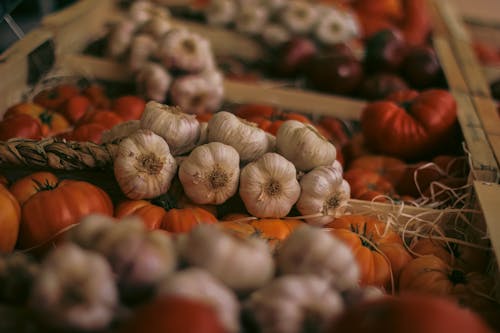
<point>494,140</point>
<point>452,19</point>
<point>481,11</point>
<point>483,162</point>
<point>488,114</point>
<point>473,72</point>
<point>451,68</point>
<point>491,73</point>
<point>95,68</point>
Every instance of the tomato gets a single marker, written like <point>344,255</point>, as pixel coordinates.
<point>413,129</point>
<point>26,187</point>
<point>97,96</point>
<point>76,107</point>
<point>106,118</point>
<point>129,107</point>
<point>251,110</point>
<point>54,98</point>
<point>51,122</point>
<point>336,129</point>
<point>10,216</point>
<point>88,132</point>
<point>20,126</point>
<point>409,313</point>
<point>364,182</point>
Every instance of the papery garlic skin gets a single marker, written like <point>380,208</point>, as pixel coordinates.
<point>269,186</point>
<point>304,146</point>
<point>210,174</point>
<point>180,130</point>
<point>198,284</point>
<point>312,250</point>
<point>241,264</point>
<point>143,46</point>
<point>90,230</point>
<point>181,49</point>
<point>203,139</point>
<point>143,166</point>
<point>249,141</point>
<point>153,81</point>
<point>333,28</point>
<point>198,93</point>
<point>220,12</point>
<point>323,190</point>
<point>271,143</point>
<point>275,35</point>
<point>299,17</point>
<point>75,290</point>
<point>288,302</point>
<point>120,131</point>
<point>157,27</point>
<point>251,19</point>
<point>120,38</point>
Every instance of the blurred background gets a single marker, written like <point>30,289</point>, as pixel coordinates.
<point>27,14</point>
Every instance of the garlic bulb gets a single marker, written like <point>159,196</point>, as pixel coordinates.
<point>249,141</point>
<point>271,143</point>
<point>299,16</point>
<point>210,174</point>
<point>355,296</point>
<point>90,230</point>
<point>143,166</point>
<point>120,131</point>
<point>75,290</point>
<point>241,264</point>
<point>323,190</point>
<point>251,19</point>
<point>141,49</point>
<point>157,26</point>
<point>274,5</point>
<point>289,303</point>
<point>311,250</point>
<point>220,12</point>
<point>303,145</point>
<point>181,49</point>
<point>333,28</point>
<point>203,139</point>
<point>275,35</point>
<point>198,284</point>
<point>197,93</point>
<point>153,81</point>
<point>141,11</point>
<point>120,38</point>
<point>180,130</point>
<point>269,186</point>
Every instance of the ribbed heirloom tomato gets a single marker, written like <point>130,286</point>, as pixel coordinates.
<point>414,128</point>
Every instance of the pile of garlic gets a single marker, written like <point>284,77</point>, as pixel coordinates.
<point>229,156</point>
<point>170,64</point>
<point>277,21</point>
<point>106,268</point>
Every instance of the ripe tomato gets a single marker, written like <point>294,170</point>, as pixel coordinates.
<point>129,107</point>
<point>88,132</point>
<point>106,118</point>
<point>54,98</point>
<point>20,126</point>
<point>76,107</point>
<point>10,216</point>
<point>51,122</point>
<point>97,96</point>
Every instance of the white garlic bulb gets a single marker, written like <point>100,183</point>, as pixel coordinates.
<point>220,12</point>
<point>299,16</point>
<point>241,264</point>
<point>198,93</point>
<point>120,38</point>
<point>324,191</point>
<point>290,302</point>
<point>153,81</point>
<point>249,141</point>
<point>271,143</point>
<point>333,28</point>
<point>120,131</point>
<point>141,49</point>
<point>180,130</point>
<point>143,166</point>
<point>203,139</point>
<point>141,11</point>
<point>196,283</point>
<point>75,290</point>
<point>157,26</point>
<point>251,19</point>
<point>181,49</point>
<point>269,186</point>
<point>275,35</point>
<point>90,230</point>
<point>304,146</point>
<point>210,174</point>
<point>312,250</point>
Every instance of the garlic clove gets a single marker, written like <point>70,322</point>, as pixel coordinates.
<point>120,131</point>
<point>220,12</point>
<point>180,130</point>
<point>75,290</point>
<point>153,81</point>
<point>143,165</point>
<point>311,250</point>
<point>304,146</point>
<point>269,186</point>
<point>210,174</point>
<point>333,28</point>
<point>157,26</point>
<point>323,191</point>
<point>249,141</point>
<point>199,284</point>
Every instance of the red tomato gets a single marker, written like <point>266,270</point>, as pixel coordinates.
<point>97,96</point>
<point>336,129</point>
<point>173,314</point>
<point>252,110</point>
<point>105,118</point>
<point>409,314</point>
<point>129,107</point>
<point>51,122</point>
<point>54,98</point>
<point>88,132</point>
<point>76,107</point>
<point>414,129</point>
<point>20,126</point>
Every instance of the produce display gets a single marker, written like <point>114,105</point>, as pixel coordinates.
<point>204,215</point>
